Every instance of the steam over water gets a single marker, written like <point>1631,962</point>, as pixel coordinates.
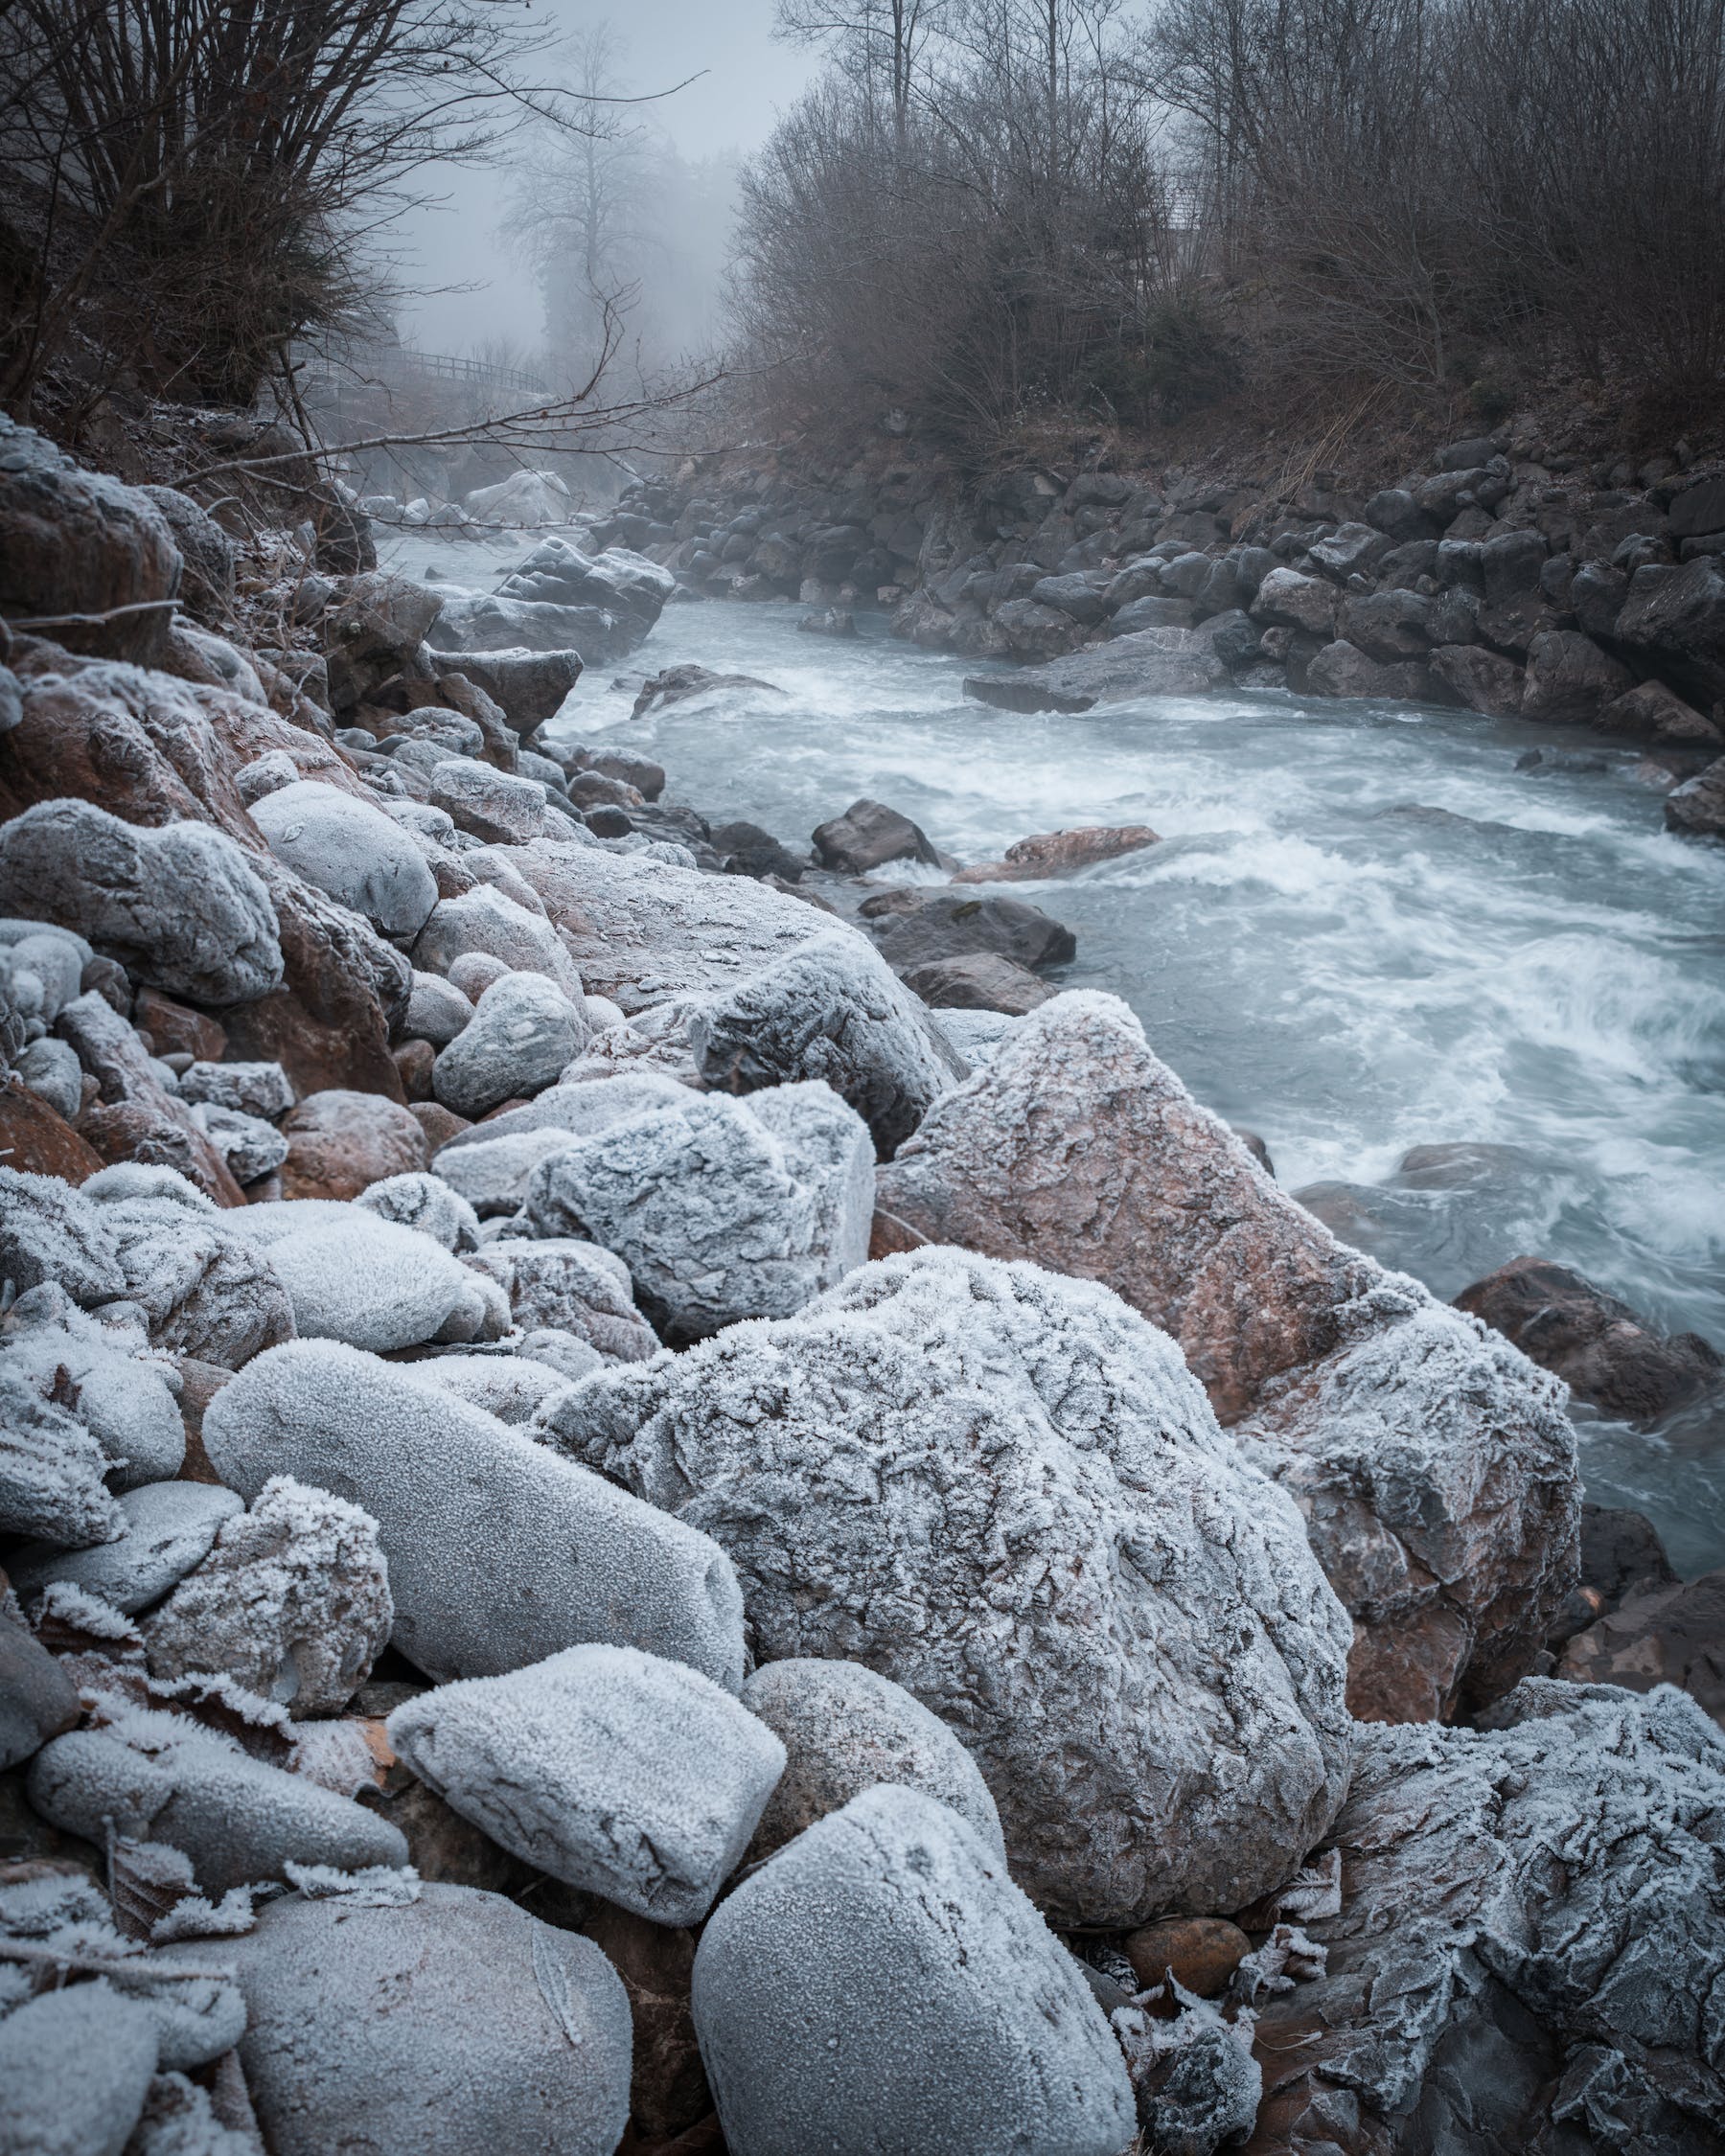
<point>1364,932</point>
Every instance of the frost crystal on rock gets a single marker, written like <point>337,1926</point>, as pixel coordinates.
<point>569,1286</point>
<point>523,1030</point>
<point>350,849</point>
<point>365,1279</point>
<point>1003,1489</point>
<point>100,1369</point>
<point>428,1203</point>
<point>169,1529</point>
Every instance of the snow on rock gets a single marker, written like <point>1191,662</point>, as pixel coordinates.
<point>486,920</point>
<point>581,1109</point>
<point>1432,1463</point>
<point>845,1727</point>
<point>250,1146</point>
<point>369,1282</point>
<point>179,905</point>
<point>881,1986</point>
<point>1003,1489</point>
<point>51,1231</point>
<point>522,1032</point>
<point>1529,1945</point>
<point>635,1778</point>
<point>493,805</point>
<point>722,1209</point>
<point>491,1176</point>
<point>292,1602</point>
<point>362,859</point>
<point>169,1529</point>
<point>570,1287</point>
<point>250,1089</point>
<point>162,1777</point>
<point>500,1551</point>
<point>513,1387</point>
<point>426,1203</point>
<point>99,1369</point>
<point>76,2065</point>
<point>455,2023</point>
<point>524,497</point>
<point>52,1471</point>
<point>436,1010</point>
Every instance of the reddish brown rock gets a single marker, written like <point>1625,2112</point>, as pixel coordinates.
<point>77,544</point>
<point>135,1117</point>
<point>1672,1636</point>
<point>1203,1951</point>
<point>176,1029</point>
<point>668,2088</point>
<point>39,1143</point>
<point>1433,1463</point>
<point>1595,1343</point>
<point>341,1142</point>
<point>199,1383</point>
<point>413,1062</point>
<point>978,981</point>
<point>1059,853</point>
<point>439,1123</point>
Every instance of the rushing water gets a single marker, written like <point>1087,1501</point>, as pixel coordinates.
<point>1364,930</point>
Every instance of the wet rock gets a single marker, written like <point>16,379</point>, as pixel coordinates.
<point>1340,669</point>
<point>1568,680</point>
<point>527,686</point>
<point>1673,621</point>
<point>678,684</point>
<point>1696,809</point>
<point>349,849</point>
<point>339,1142</point>
<point>1454,1559</point>
<point>867,835</point>
<point>485,920</point>
<point>1202,1953</point>
<point>1653,712</point>
<point>844,1728</point>
<point>960,1393</point>
<point>746,850</point>
<point>881,1982</point>
<point>523,1031</point>
<point>1150,663</point>
<point>1596,1344</point>
<point>721,1209</point>
<point>169,1529</point>
<point>1621,1555</point>
<point>976,981</point>
<point>1483,680</point>
<point>37,1699</point>
<point>179,907</point>
<point>1059,853</point>
<point>1287,599</point>
<point>1671,1635</point>
<point>570,1287</point>
<point>204,1287</point>
<point>918,928</point>
<point>554,1557</point>
<point>635,1778</point>
<point>293,1601</point>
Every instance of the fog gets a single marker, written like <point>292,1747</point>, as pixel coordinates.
<point>468,285</point>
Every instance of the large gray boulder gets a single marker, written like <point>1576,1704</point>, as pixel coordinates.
<point>76,2065</point>
<point>564,1284</point>
<point>528,686</point>
<point>1150,663</point>
<point>170,1528</point>
<point>488,920</point>
<point>499,1553</point>
<point>635,1778</point>
<point>722,1209</point>
<point>363,858</point>
<point>882,1988</point>
<point>1003,1490</point>
<point>522,1033</point>
<point>179,907</point>
<point>449,2024</point>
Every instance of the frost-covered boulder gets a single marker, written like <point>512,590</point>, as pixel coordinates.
<point>722,1209</point>
<point>513,1387</point>
<point>249,1089</point>
<point>1525,1924</point>
<point>571,1287</point>
<point>340,1142</point>
<point>1432,1463</point>
<point>179,907</point>
<point>292,1602</point>
<point>426,1203</point>
<point>49,1231</point>
<point>76,2065</point>
<point>350,849</point>
<point>169,1529</point>
<point>51,1071</point>
<point>499,1553</point>
<point>845,1727</point>
<point>52,1473</point>
<point>444,2025</point>
<point>486,919</point>
<point>523,1031</point>
<point>1003,1490</point>
<point>493,805</point>
<point>881,1985</point>
<point>581,1108</point>
<point>163,1777</point>
<point>366,1279</point>
<point>250,1146</point>
<point>99,1369</point>
<point>492,1177</point>
<point>436,1010</point>
<point>635,1778</point>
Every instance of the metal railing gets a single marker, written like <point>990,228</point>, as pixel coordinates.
<point>401,362</point>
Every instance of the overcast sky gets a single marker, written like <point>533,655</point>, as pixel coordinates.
<point>745,76</point>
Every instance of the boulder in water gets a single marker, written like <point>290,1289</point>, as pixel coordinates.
<point>867,835</point>
<point>1150,663</point>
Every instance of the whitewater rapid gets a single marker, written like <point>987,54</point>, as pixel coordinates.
<point>1364,930</point>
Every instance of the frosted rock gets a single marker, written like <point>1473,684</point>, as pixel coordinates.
<point>52,1471</point>
<point>582,1109</point>
<point>162,1777</point>
<point>292,1602</point>
<point>978,1035</point>
<point>1195,2080</point>
<point>76,2065</point>
<point>493,805</point>
<point>205,1289</point>
<point>428,1203</point>
<point>375,1284</point>
<point>169,1527</point>
<point>484,920</point>
<point>508,1386</point>
<point>1003,1490</point>
<point>265,774</point>
<point>722,1209</point>
<point>250,1089</point>
<point>1433,1463</point>
<point>499,1553</point>
<point>1531,1921</point>
<point>492,1177</point>
<point>99,1370</point>
<point>50,1232</point>
<point>881,1985</point>
<point>570,1358</point>
<point>637,1779</point>
<point>179,905</point>
<point>436,1010</point>
<point>51,1071</point>
<point>360,857</point>
<point>178,2118</point>
<point>473,972</point>
<point>250,1146</point>
<point>340,1142</point>
<point>522,1032</point>
<point>55,957</point>
<point>38,1700</point>
<point>846,1727</point>
<point>571,1287</point>
<point>453,2023</point>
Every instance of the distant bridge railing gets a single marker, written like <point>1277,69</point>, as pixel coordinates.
<point>401,362</point>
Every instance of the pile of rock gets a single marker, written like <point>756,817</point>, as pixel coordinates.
<point>517,1630</point>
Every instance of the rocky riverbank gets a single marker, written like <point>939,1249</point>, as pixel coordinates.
<point>639,1515</point>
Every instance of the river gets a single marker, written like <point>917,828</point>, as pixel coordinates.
<point>1364,930</point>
